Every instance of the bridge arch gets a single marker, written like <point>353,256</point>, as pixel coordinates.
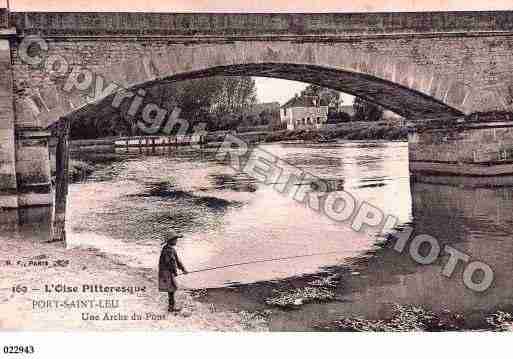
<point>414,92</point>
<point>407,102</point>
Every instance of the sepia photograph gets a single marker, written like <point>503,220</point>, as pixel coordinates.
<point>255,167</point>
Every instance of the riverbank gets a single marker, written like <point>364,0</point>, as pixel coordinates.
<point>368,131</point>
<point>34,265</point>
<point>356,131</point>
<point>309,303</point>
<point>221,309</point>
<point>409,318</point>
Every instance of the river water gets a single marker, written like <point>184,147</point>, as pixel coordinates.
<point>225,217</point>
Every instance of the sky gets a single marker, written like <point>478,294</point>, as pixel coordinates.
<point>268,90</point>
<point>271,90</point>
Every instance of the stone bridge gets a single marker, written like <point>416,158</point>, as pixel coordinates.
<point>61,66</point>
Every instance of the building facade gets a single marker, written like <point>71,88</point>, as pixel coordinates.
<point>304,113</point>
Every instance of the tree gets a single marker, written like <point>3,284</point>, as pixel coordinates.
<point>215,100</point>
<point>338,117</point>
<point>327,96</point>
<point>266,117</point>
<point>366,111</point>
<point>236,95</point>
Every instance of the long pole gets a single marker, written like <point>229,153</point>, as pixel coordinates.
<point>262,261</point>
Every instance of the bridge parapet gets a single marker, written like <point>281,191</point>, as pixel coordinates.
<point>237,24</point>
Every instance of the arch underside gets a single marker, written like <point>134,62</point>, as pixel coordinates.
<point>409,103</point>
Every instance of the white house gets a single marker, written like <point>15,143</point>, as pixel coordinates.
<point>304,112</point>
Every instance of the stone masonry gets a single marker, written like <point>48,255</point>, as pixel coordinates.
<point>420,65</point>
<point>472,150</point>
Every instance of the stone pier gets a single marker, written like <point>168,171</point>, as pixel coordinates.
<point>26,194</point>
<point>8,178</point>
<point>477,150</point>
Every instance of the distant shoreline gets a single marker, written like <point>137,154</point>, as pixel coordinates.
<point>357,133</point>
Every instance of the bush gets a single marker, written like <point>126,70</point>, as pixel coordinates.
<point>404,319</point>
<point>500,321</point>
<point>370,132</point>
<point>297,297</point>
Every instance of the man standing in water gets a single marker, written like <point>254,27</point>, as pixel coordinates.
<point>169,264</point>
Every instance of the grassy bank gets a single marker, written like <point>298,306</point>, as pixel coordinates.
<point>410,318</point>
<point>321,302</point>
<point>368,131</point>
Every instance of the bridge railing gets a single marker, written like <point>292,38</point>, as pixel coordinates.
<point>132,145</point>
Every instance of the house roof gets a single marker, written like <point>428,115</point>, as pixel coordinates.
<point>302,101</point>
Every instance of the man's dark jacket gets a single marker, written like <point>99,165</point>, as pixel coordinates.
<point>169,263</point>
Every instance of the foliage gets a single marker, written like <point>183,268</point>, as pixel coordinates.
<point>267,117</point>
<point>345,132</point>
<point>216,101</point>
<point>300,296</point>
<point>235,94</point>
<point>500,321</point>
<point>405,318</point>
<point>335,117</point>
<point>366,111</point>
<point>328,97</point>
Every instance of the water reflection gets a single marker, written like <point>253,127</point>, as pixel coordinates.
<point>477,221</point>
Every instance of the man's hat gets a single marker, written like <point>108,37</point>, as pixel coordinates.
<point>170,235</point>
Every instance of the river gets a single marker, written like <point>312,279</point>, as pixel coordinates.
<point>125,207</point>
